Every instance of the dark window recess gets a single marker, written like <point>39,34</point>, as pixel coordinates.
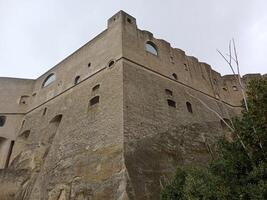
<point>89,64</point>
<point>94,100</point>
<point>174,76</point>
<point>189,107</point>
<point>111,63</point>
<point>2,120</point>
<point>129,20</point>
<point>44,112</point>
<point>9,153</point>
<point>96,87</point>
<point>168,92</point>
<point>57,119</point>
<point>171,103</point>
<point>76,80</point>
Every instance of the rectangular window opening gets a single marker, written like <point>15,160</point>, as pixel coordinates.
<point>171,103</point>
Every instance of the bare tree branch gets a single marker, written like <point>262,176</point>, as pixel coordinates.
<point>230,65</point>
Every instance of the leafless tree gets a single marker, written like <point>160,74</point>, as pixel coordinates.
<point>232,50</point>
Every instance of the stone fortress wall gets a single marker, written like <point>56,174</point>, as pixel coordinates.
<point>115,122</point>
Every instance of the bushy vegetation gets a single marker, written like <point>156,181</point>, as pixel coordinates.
<point>240,171</point>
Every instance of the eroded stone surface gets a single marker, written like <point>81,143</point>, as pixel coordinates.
<point>113,133</point>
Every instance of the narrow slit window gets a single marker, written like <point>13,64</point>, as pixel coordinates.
<point>171,103</point>
<point>94,100</point>
<point>22,124</point>
<point>2,121</point>
<point>189,107</point>
<point>44,112</point>
<point>76,80</point>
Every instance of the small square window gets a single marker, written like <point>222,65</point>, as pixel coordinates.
<point>171,103</point>
<point>94,100</point>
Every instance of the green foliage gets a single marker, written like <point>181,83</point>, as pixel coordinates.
<point>240,171</point>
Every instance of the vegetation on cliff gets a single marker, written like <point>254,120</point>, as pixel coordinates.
<point>240,170</point>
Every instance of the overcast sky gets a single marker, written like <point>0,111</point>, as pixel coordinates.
<point>37,34</point>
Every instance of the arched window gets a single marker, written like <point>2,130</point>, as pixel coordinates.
<point>151,48</point>
<point>76,80</point>
<point>189,107</point>
<point>2,120</point>
<point>49,79</point>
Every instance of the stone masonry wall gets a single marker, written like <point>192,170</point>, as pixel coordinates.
<point>159,137</point>
<point>115,123</point>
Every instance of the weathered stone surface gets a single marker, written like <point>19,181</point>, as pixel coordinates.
<point>115,122</point>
